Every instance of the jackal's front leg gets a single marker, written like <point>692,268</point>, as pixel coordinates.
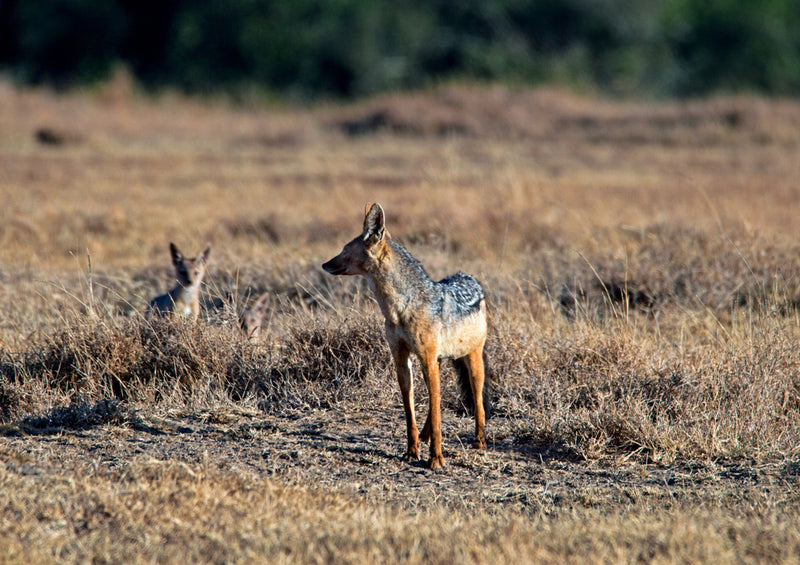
<point>425,434</point>
<point>433,425</point>
<point>402,363</point>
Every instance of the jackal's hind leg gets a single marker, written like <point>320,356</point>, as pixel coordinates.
<point>477,376</point>
<point>402,363</point>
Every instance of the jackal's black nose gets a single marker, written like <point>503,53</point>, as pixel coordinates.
<point>333,267</point>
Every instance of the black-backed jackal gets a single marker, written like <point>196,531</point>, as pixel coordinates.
<point>252,317</point>
<point>433,320</point>
<point>184,299</point>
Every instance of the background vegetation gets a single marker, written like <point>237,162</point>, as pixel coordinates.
<point>310,48</point>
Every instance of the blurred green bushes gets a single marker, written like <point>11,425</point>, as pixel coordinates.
<point>304,49</point>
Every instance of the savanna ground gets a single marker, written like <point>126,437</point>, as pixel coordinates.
<point>642,267</point>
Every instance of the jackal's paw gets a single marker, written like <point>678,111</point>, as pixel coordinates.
<point>411,455</point>
<point>479,443</point>
<point>436,462</point>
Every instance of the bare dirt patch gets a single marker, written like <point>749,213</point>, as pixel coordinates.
<point>358,452</point>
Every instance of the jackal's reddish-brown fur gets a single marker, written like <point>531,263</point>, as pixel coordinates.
<point>429,319</point>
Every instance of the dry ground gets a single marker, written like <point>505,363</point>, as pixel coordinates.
<point>644,276</point>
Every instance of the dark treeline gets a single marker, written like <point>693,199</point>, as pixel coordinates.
<point>304,49</point>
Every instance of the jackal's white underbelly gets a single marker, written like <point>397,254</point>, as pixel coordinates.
<point>463,336</point>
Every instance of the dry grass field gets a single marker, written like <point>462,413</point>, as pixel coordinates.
<point>643,269</point>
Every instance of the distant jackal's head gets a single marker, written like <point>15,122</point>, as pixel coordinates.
<point>188,270</point>
<point>253,316</point>
<point>360,255</point>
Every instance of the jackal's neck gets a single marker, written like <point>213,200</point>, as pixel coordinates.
<point>186,293</point>
<point>398,279</point>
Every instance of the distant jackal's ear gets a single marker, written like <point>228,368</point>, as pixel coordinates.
<point>175,253</point>
<point>204,255</point>
<point>374,224</point>
<point>261,303</point>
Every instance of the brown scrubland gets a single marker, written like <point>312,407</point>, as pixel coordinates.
<point>642,268</point>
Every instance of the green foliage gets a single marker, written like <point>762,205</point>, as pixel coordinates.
<point>343,48</point>
<point>734,44</point>
<point>60,39</point>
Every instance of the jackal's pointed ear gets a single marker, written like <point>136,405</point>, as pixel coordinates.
<point>374,224</point>
<point>176,254</point>
<point>262,303</point>
<point>204,255</point>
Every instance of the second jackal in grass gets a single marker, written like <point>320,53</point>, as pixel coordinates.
<point>184,299</point>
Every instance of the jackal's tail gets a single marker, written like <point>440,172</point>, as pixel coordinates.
<point>462,369</point>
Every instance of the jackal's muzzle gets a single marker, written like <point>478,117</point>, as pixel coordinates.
<point>335,266</point>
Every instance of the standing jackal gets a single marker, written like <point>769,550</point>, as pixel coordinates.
<point>427,318</point>
<point>184,299</point>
